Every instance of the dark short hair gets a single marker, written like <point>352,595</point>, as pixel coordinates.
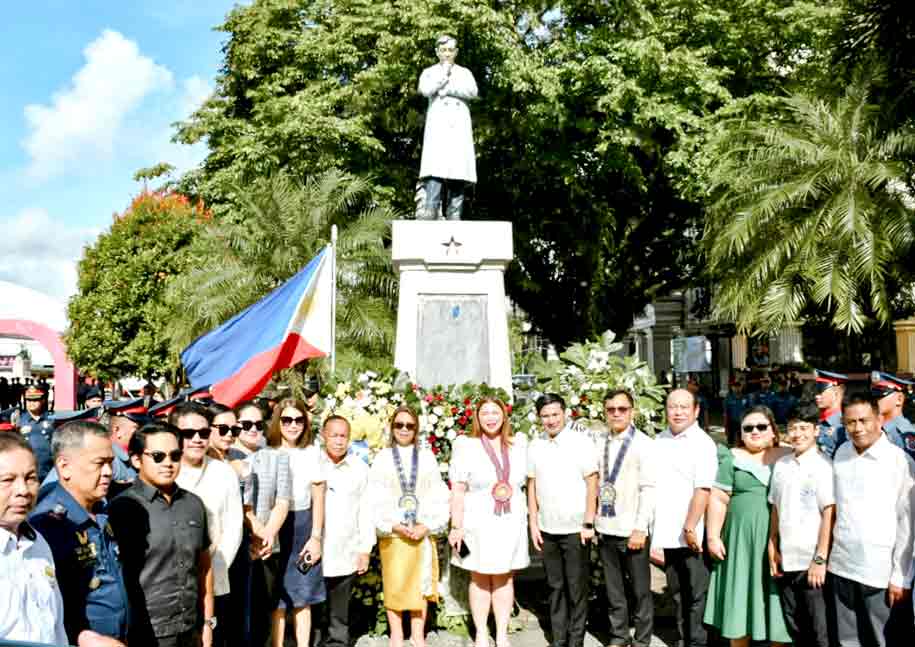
<point>11,440</point>
<point>189,408</point>
<point>250,404</point>
<point>72,435</point>
<point>762,410</point>
<point>137,444</point>
<point>547,399</point>
<point>612,393</point>
<point>218,408</point>
<point>804,412</point>
<point>334,416</point>
<point>860,397</point>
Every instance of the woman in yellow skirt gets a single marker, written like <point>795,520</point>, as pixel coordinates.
<point>411,503</point>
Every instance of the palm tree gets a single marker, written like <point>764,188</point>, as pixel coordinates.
<point>279,227</point>
<point>811,209</point>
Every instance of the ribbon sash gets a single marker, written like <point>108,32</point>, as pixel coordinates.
<point>608,508</point>
<point>503,471</point>
<point>407,488</point>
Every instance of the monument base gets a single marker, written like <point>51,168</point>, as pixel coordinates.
<point>452,315</point>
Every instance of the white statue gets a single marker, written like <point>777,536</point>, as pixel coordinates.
<point>448,160</point>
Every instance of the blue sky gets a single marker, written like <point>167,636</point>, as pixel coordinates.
<point>91,88</point>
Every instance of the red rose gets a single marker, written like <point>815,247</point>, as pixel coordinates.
<point>508,408</point>
<point>439,397</point>
<point>466,401</point>
<point>428,398</point>
<point>435,449</point>
<point>575,414</point>
<point>468,412</point>
<point>454,410</point>
<point>462,421</point>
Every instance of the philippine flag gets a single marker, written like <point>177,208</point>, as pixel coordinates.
<point>292,323</point>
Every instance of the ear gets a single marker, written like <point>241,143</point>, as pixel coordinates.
<point>135,461</point>
<point>63,467</point>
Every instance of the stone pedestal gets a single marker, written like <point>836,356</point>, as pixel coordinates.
<point>739,352</point>
<point>452,316</point>
<point>905,346</point>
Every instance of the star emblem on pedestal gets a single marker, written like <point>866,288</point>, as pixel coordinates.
<point>452,246</point>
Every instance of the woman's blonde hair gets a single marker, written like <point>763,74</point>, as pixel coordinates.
<point>274,433</point>
<point>476,430</point>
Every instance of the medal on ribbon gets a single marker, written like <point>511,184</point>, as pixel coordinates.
<point>408,501</point>
<point>502,490</point>
<point>607,494</point>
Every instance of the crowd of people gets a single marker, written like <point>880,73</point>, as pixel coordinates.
<point>198,524</point>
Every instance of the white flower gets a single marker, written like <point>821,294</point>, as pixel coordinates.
<point>532,417</point>
<point>451,434</point>
<point>575,401</point>
<point>439,433</point>
<point>432,419</point>
<point>438,410</point>
<point>448,422</point>
<point>363,377</point>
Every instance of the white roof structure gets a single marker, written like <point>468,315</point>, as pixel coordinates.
<point>20,302</point>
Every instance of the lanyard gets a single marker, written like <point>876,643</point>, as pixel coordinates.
<point>608,507</point>
<point>502,490</point>
<point>407,488</point>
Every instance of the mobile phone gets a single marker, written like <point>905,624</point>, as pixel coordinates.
<point>304,563</point>
<point>463,551</point>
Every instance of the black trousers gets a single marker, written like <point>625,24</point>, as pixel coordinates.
<point>338,596</point>
<point>266,585</point>
<point>627,568</point>
<point>566,563</point>
<point>858,615</point>
<point>804,608</point>
<point>187,639</point>
<point>687,580</point>
<point>222,605</point>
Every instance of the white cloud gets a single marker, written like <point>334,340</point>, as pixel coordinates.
<point>83,120</point>
<point>196,91</point>
<point>45,252</point>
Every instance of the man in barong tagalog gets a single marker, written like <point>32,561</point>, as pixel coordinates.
<point>448,159</point>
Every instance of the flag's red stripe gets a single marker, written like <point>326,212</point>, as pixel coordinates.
<point>248,381</point>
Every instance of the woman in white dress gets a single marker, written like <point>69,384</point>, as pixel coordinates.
<point>489,515</point>
<point>411,504</point>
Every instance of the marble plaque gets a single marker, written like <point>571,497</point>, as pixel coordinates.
<point>452,339</point>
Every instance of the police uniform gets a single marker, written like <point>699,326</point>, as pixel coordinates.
<point>830,431</point>
<point>899,430</point>
<point>38,431</point>
<point>89,569</point>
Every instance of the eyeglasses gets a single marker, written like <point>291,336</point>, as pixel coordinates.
<point>248,424</point>
<point>409,426</point>
<point>158,457</point>
<point>188,434</point>
<point>289,420</point>
<point>616,410</point>
<point>760,427</point>
<point>222,430</point>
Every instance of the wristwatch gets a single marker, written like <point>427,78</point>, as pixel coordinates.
<point>587,526</point>
<point>819,560</point>
<point>210,622</point>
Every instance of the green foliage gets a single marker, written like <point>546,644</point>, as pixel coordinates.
<point>811,211</point>
<point>590,131</point>
<point>279,227</point>
<point>118,319</point>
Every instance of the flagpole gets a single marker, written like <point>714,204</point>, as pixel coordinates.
<point>333,298</point>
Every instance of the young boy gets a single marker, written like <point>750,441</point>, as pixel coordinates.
<point>803,507</point>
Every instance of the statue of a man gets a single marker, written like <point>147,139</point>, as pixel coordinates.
<point>448,160</point>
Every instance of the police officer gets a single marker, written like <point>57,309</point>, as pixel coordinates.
<point>73,521</point>
<point>830,388</point>
<point>94,396</point>
<point>36,426</point>
<point>890,392</point>
<point>735,403</point>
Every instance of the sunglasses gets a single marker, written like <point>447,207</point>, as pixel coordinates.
<point>760,427</point>
<point>409,426</point>
<point>222,430</point>
<point>616,410</point>
<point>158,457</point>
<point>188,434</point>
<point>248,424</point>
<point>289,420</point>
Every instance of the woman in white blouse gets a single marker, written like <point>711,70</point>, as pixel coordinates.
<point>300,537</point>
<point>489,515</point>
<point>411,503</point>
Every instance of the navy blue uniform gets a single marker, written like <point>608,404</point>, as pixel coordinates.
<point>901,433</point>
<point>38,431</point>
<point>88,566</point>
<point>831,434</point>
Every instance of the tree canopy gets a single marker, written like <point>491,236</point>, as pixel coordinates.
<point>118,319</point>
<point>590,130</point>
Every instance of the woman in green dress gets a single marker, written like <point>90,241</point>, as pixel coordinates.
<point>742,600</point>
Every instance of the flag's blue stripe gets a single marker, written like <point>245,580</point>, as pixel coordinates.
<point>220,353</point>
